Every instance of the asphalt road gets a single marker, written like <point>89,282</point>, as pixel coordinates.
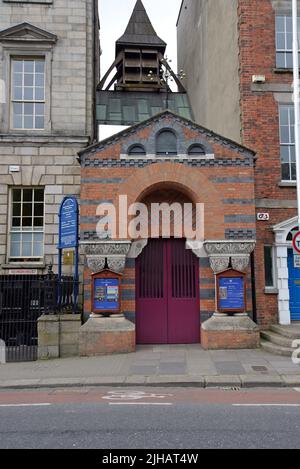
<point>104,418</point>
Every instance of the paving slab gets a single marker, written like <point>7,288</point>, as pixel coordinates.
<point>291,380</point>
<point>185,380</point>
<point>261,381</point>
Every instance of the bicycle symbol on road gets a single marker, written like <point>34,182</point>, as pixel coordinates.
<point>133,396</point>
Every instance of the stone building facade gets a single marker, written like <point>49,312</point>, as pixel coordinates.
<point>240,85</point>
<point>49,69</point>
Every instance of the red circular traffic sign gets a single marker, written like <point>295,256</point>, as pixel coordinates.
<point>296,242</point>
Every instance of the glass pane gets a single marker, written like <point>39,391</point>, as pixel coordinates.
<point>284,134</point>
<point>280,41</point>
<point>28,79</point>
<point>38,249</point>
<point>39,79</point>
<point>289,41</point>
<point>27,210</point>
<point>27,222</point>
<point>39,66</point>
<point>293,171</point>
<point>16,195</point>
<point>280,60</point>
<point>285,154</point>
<point>28,66</point>
<point>280,23</point>
<point>17,93</point>
<point>28,109</point>
<point>27,195</point>
<point>39,94</point>
<point>28,93</point>
<point>18,66</point>
<point>292,134</point>
<point>15,249</point>
<point>39,122</point>
<point>39,195</point>
<point>16,222</point>
<point>18,122</point>
<point>284,116</point>
<point>39,109</point>
<point>289,24</point>
<point>15,237</point>
<point>39,222</point>
<point>18,79</point>
<point>26,249</point>
<point>293,154</point>
<point>27,237</point>
<point>285,172</point>
<point>268,267</point>
<point>17,107</point>
<point>38,237</point>
<point>38,210</point>
<point>289,60</point>
<point>16,210</point>
<point>28,122</point>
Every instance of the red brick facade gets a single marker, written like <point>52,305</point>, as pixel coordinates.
<point>260,130</point>
<point>223,181</point>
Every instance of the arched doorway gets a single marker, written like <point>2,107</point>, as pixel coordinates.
<point>167,294</point>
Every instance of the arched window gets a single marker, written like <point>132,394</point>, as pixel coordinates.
<point>166,143</point>
<point>196,150</point>
<point>137,150</point>
<point>290,235</point>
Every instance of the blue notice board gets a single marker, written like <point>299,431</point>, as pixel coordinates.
<point>232,293</point>
<point>68,223</point>
<point>106,294</point>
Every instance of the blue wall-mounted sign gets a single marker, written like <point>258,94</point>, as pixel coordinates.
<point>68,238</point>
<point>232,293</point>
<point>68,223</point>
<point>106,294</point>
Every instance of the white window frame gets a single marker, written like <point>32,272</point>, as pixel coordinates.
<point>286,51</point>
<point>25,101</point>
<point>290,143</point>
<point>23,51</point>
<point>14,260</point>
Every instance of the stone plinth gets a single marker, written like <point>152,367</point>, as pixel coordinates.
<point>230,332</point>
<point>106,336</point>
<point>58,336</point>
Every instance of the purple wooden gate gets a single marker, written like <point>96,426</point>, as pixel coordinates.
<point>167,297</point>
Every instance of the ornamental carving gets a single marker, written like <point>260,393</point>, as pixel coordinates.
<point>107,248</point>
<point>229,248</point>
<point>219,264</point>
<point>117,264</point>
<point>137,248</point>
<point>95,263</point>
<point>240,263</point>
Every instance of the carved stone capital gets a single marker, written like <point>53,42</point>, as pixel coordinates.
<point>229,247</point>
<point>95,263</point>
<point>197,247</point>
<point>114,252</point>
<point>240,263</point>
<point>219,264</point>
<point>116,263</point>
<point>137,248</point>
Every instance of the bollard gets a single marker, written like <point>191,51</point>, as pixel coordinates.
<point>2,352</point>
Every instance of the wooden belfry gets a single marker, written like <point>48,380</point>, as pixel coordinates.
<point>139,59</point>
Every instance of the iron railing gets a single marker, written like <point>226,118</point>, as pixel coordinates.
<point>23,299</point>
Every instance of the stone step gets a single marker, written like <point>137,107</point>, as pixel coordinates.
<point>276,349</point>
<point>277,339</point>
<point>292,332</point>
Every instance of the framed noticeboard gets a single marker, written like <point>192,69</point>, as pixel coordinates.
<point>106,292</point>
<point>231,292</point>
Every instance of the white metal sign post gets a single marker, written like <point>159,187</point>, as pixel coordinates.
<point>296,97</point>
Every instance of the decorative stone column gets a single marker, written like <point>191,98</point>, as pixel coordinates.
<point>236,331</point>
<point>106,335</point>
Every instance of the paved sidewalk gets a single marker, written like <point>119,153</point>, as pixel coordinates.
<point>157,365</point>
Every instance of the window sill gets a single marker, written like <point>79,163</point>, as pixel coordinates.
<point>271,291</point>
<point>287,184</point>
<point>283,70</point>
<point>24,265</point>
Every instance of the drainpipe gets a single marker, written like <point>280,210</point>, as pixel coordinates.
<point>253,287</point>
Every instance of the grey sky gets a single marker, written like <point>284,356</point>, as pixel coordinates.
<point>114,17</point>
